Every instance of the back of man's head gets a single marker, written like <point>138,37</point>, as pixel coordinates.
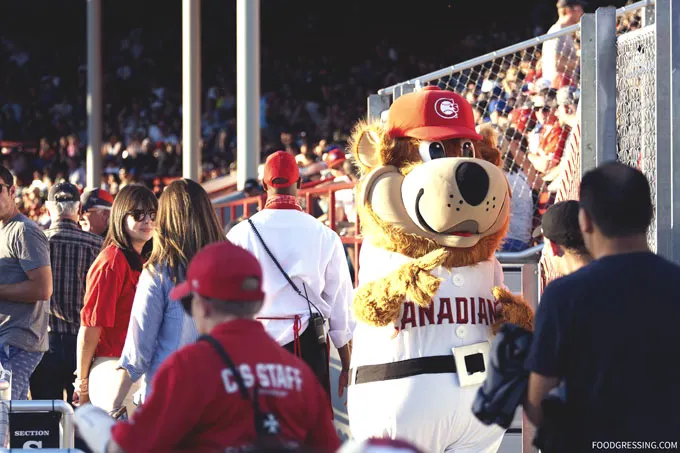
<point>559,224</point>
<point>6,176</point>
<point>617,199</point>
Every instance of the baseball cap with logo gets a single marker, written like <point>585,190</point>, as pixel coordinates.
<point>63,192</point>
<point>560,225</point>
<point>281,170</point>
<point>222,271</point>
<point>96,198</point>
<point>432,114</point>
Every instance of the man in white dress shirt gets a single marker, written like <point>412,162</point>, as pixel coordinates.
<point>309,291</point>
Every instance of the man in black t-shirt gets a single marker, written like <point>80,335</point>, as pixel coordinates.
<point>609,330</point>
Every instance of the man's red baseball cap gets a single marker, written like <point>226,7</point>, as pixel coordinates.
<point>222,271</point>
<point>281,165</point>
<point>432,114</point>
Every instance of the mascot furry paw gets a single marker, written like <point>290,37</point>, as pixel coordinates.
<point>434,208</point>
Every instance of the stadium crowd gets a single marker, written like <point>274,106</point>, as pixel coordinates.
<point>307,109</point>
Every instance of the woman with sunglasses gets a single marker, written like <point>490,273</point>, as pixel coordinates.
<point>186,223</point>
<point>110,288</point>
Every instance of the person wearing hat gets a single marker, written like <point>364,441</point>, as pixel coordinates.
<point>560,56</point>
<point>216,394</point>
<point>563,241</point>
<point>307,283</point>
<point>72,252</point>
<point>25,289</point>
<point>95,211</point>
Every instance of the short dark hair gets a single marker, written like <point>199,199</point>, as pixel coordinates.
<point>239,309</point>
<point>618,199</point>
<point>6,175</point>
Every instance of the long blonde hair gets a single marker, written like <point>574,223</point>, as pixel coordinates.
<point>186,222</point>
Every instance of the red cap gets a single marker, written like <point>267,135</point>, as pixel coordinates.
<point>432,114</point>
<point>222,271</point>
<point>334,158</point>
<point>281,165</point>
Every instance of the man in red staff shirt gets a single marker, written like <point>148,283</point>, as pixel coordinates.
<point>235,388</point>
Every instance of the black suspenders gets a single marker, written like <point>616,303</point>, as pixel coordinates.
<point>266,425</point>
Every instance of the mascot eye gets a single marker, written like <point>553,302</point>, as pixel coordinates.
<point>431,150</point>
<point>468,150</point>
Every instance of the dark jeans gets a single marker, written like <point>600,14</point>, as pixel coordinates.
<point>315,355</point>
<point>54,373</point>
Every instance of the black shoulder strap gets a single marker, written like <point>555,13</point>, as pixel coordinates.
<point>271,255</point>
<point>227,361</point>
<point>284,273</point>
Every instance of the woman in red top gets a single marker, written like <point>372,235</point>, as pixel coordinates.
<point>110,289</point>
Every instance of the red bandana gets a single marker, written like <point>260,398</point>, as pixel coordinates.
<point>282,202</point>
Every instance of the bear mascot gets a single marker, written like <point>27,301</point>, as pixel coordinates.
<point>434,208</point>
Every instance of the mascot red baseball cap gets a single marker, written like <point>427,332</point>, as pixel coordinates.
<point>282,166</point>
<point>222,271</point>
<point>432,114</point>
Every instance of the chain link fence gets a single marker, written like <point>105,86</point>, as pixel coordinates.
<point>636,107</point>
<point>529,94</point>
<point>529,97</point>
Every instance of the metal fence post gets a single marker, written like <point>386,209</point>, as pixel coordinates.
<point>647,15</point>
<point>403,89</point>
<point>664,132</point>
<point>588,100</point>
<point>377,103</point>
<point>605,84</point>
<point>674,99</point>
<point>530,292</point>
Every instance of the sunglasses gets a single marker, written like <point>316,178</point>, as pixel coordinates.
<point>140,215</point>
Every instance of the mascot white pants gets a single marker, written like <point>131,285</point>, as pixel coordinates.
<point>433,409</point>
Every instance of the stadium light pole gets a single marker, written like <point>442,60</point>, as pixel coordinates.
<point>247,90</point>
<point>191,89</point>
<point>93,160</point>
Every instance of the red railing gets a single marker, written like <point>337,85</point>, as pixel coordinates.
<point>251,205</point>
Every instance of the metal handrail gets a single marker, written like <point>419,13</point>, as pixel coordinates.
<point>67,438</point>
<point>506,51</point>
<point>531,255</point>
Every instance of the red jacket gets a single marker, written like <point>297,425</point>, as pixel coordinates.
<point>196,406</point>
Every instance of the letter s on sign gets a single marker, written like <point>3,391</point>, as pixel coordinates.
<point>33,444</point>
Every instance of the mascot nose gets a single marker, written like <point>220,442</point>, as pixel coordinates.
<point>473,182</point>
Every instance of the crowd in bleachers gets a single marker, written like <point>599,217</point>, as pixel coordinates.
<point>309,106</point>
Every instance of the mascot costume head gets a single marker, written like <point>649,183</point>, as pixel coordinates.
<point>432,190</point>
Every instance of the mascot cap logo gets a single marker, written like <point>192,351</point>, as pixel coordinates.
<point>432,114</point>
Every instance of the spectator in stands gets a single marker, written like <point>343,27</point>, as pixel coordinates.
<point>307,279</point>
<point>25,290</point>
<point>72,252</point>
<point>582,335</point>
<point>559,56</point>
<point>563,241</point>
<point>110,289</point>
<point>203,400</point>
<point>552,135</point>
<point>95,211</point>
<point>518,237</point>
<point>186,223</point>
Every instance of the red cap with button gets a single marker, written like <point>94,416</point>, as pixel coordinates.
<point>222,271</point>
<point>432,114</point>
<point>281,170</point>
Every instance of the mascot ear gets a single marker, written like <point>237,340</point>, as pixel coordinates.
<point>366,146</point>
<point>488,148</point>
